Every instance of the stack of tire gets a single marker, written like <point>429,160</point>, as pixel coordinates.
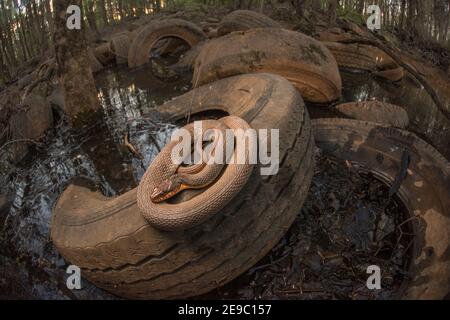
<point>262,73</point>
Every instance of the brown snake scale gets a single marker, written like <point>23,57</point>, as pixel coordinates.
<point>217,192</point>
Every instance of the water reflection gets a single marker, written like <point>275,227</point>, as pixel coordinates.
<point>425,118</point>
<point>128,99</point>
<point>30,266</point>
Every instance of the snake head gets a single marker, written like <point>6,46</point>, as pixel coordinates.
<point>165,190</point>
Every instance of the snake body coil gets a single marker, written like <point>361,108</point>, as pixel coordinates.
<point>164,178</point>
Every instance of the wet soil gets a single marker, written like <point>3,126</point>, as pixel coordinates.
<point>347,223</point>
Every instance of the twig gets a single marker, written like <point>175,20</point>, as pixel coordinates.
<point>408,220</point>
<point>4,132</point>
<point>253,270</point>
<point>153,140</point>
<point>131,147</point>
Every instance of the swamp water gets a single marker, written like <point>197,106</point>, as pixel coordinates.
<point>30,267</point>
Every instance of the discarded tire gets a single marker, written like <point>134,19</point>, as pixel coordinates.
<point>241,20</point>
<point>103,53</point>
<point>395,73</point>
<point>306,62</point>
<point>359,56</point>
<point>187,60</point>
<point>120,252</point>
<point>150,34</point>
<point>366,58</point>
<point>334,35</point>
<point>376,111</point>
<point>424,192</point>
<point>120,46</point>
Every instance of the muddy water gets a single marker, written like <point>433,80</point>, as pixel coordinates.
<point>425,119</point>
<point>30,267</point>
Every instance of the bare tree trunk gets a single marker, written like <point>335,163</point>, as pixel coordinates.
<point>261,6</point>
<point>316,5</point>
<point>120,7</point>
<point>43,27</point>
<point>102,10</point>
<point>447,24</point>
<point>300,6</point>
<point>90,15</point>
<point>158,5</point>
<point>49,17</point>
<point>332,11</point>
<point>74,71</point>
<point>420,23</point>
<point>402,14</point>
<point>411,15</point>
<point>23,39</point>
<point>8,45</point>
<point>360,6</point>
<point>441,16</point>
<point>5,75</point>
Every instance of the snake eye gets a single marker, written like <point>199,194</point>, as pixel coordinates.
<point>162,191</point>
<point>156,194</point>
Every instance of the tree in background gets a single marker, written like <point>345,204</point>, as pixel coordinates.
<point>74,71</point>
<point>26,27</point>
<point>332,11</point>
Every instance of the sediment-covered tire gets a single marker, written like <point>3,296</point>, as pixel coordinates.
<point>367,58</point>
<point>306,62</point>
<point>120,252</point>
<point>150,34</point>
<point>376,111</point>
<point>334,35</point>
<point>425,192</point>
<point>241,20</point>
<point>356,56</point>
<point>187,60</point>
<point>120,46</point>
<point>394,73</point>
<point>103,53</point>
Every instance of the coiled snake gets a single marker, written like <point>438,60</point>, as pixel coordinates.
<point>164,179</point>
